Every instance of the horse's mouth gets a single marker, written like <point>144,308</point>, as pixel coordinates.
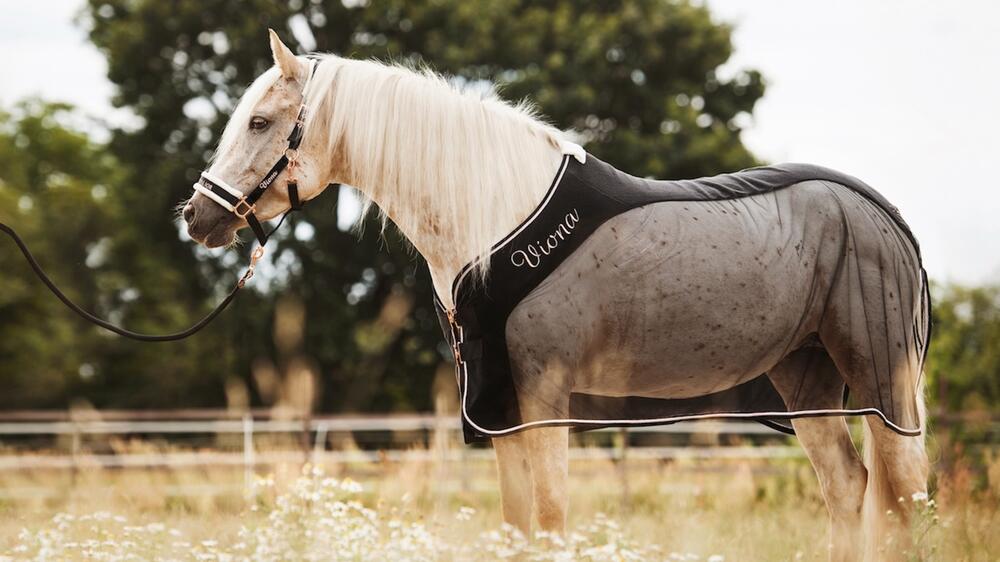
<point>219,238</point>
<point>220,234</point>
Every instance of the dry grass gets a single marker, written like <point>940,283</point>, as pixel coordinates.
<point>690,510</point>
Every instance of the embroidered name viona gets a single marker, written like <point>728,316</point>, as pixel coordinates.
<point>533,253</point>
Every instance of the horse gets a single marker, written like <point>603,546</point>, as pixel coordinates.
<point>457,169</point>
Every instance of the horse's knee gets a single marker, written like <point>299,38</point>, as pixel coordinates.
<point>551,512</point>
<point>551,500</point>
<point>514,474</point>
<point>549,460</point>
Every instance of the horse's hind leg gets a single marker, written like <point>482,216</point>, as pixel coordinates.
<point>875,331</point>
<point>827,443</point>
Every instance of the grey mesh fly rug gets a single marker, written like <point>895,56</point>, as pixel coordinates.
<point>622,301</point>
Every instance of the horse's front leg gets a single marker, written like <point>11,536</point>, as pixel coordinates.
<point>514,472</point>
<point>548,456</point>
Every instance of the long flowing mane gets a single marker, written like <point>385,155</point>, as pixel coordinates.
<point>445,161</point>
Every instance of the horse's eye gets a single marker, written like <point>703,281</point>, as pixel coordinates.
<point>258,123</point>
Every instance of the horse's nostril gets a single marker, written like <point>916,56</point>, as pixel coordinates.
<point>188,213</point>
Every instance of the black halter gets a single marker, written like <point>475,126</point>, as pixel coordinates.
<point>244,205</point>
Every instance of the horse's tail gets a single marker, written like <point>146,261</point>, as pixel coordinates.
<point>882,508</point>
<point>881,501</point>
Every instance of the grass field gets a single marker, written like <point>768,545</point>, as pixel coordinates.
<point>685,510</point>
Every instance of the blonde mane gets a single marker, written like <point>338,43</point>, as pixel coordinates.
<point>454,167</point>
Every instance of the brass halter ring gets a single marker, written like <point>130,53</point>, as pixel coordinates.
<point>245,210</point>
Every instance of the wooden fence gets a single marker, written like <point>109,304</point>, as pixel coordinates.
<point>377,439</point>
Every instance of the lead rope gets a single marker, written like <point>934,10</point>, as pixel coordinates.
<point>233,200</point>
<point>37,268</point>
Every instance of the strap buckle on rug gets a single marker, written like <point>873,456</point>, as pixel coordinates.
<point>456,335</point>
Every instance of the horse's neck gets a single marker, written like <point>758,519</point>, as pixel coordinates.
<point>441,240</point>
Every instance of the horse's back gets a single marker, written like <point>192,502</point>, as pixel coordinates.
<point>746,183</point>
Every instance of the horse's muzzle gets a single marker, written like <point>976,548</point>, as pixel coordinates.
<point>208,223</point>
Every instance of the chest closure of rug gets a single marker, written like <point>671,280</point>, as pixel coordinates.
<point>465,342</point>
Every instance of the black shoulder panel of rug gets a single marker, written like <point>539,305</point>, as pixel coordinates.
<point>581,198</point>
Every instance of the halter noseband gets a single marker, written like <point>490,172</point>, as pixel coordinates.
<point>244,205</point>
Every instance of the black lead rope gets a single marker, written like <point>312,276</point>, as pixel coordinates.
<point>37,268</point>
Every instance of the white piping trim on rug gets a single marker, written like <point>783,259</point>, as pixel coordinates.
<point>673,419</point>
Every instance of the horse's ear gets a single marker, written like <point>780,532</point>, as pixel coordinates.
<point>283,57</point>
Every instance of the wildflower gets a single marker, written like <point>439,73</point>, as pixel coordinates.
<point>351,486</point>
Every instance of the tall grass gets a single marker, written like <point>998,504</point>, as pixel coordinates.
<point>644,510</point>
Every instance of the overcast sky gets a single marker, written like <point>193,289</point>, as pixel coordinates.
<point>904,94</point>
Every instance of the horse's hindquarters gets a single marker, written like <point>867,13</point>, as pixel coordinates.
<point>875,323</point>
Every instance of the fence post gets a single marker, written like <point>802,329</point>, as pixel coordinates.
<point>319,445</point>
<point>75,446</point>
<point>248,456</point>
<point>620,456</point>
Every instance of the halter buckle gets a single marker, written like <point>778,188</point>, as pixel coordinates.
<point>243,213</point>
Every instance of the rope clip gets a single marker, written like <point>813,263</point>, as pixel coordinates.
<point>254,258</point>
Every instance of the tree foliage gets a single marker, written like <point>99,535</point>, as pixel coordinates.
<point>54,193</point>
<point>964,357</point>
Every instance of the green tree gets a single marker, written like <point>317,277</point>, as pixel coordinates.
<point>963,362</point>
<point>637,79</point>
<point>54,193</point>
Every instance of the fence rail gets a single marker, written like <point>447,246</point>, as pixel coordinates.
<point>343,424</point>
<point>316,430</point>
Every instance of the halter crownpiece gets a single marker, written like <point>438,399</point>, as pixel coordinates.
<point>244,205</point>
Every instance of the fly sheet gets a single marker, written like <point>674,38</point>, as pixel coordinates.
<point>764,294</point>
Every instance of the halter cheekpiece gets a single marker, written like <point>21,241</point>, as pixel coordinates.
<point>244,205</point>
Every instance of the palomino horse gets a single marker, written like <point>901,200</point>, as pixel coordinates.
<point>457,171</point>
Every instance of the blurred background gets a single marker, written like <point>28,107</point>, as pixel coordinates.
<point>110,109</point>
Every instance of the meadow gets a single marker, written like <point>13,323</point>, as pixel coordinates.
<point>696,510</point>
